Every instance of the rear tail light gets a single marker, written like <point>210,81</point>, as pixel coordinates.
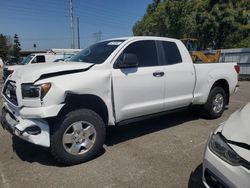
<point>237,68</point>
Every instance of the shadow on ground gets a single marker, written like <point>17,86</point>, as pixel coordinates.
<point>33,153</point>
<point>123,133</point>
<point>195,179</point>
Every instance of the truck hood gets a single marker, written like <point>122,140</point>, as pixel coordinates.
<point>237,127</point>
<point>31,73</point>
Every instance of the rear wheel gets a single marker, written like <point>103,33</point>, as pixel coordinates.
<point>215,104</point>
<point>78,137</point>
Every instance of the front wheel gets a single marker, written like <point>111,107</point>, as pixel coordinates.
<point>215,104</point>
<point>78,137</point>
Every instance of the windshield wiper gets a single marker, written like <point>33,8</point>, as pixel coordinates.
<point>240,144</point>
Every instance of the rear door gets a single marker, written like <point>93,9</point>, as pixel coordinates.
<point>139,91</point>
<point>179,77</point>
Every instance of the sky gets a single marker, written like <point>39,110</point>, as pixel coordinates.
<point>46,23</point>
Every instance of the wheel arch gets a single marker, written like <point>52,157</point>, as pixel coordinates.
<point>225,86</point>
<point>89,101</point>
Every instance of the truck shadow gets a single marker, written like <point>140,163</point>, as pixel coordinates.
<point>123,133</point>
<point>33,153</point>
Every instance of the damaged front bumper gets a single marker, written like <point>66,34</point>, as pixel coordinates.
<point>34,130</point>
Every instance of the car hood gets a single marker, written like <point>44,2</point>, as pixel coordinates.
<point>237,127</point>
<point>31,73</point>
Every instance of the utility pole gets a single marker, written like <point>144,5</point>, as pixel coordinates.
<point>72,24</point>
<point>78,33</point>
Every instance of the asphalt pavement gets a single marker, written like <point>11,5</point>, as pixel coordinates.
<point>162,152</point>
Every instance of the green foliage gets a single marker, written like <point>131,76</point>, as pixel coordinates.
<point>9,51</point>
<point>215,23</point>
<point>3,47</point>
<point>16,48</point>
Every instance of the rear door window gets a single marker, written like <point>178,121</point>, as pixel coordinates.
<point>171,53</point>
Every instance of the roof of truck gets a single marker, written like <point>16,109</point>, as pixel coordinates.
<point>143,37</point>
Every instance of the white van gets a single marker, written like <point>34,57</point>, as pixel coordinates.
<point>50,56</point>
<point>42,58</point>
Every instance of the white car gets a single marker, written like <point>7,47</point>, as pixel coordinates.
<point>227,156</point>
<point>66,106</point>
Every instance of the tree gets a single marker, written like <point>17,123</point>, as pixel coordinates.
<point>16,48</point>
<point>3,47</point>
<point>222,24</point>
<point>215,23</point>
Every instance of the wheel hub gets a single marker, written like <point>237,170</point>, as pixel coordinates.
<point>79,137</point>
<point>218,103</point>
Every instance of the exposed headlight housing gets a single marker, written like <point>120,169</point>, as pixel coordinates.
<point>219,147</point>
<point>35,91</point>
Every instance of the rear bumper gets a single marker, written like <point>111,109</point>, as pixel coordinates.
<point>35,131</point>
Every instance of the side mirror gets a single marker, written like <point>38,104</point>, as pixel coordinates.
<point>129,60</point>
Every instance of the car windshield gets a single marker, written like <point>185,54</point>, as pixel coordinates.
<point>97,53</point>
<point>26,60</point>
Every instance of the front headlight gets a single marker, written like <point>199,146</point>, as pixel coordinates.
<point>220,148</point>
<point>35,91</point>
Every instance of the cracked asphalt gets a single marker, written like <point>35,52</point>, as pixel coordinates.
<point>162,152</point>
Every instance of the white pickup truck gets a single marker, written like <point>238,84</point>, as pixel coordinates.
<point>68,106</point>
<point>52,55</point>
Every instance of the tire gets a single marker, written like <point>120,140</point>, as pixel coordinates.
<point>215,104</point>
<point>77,137</point>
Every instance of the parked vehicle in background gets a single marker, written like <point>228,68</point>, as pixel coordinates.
<point>227,156</point>
<point>198,55</point>
<point>34,58</point>
<point>67,106</point>
<point>65,51</point>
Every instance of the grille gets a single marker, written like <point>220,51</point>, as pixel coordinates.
<point>10,92</point>
<point>214,181</point>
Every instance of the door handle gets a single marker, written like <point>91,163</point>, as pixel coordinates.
<point>158,74</point>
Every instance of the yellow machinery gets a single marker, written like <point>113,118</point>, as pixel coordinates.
<point>198,55</point>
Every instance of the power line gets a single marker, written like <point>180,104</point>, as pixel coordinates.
<point>100,18</point>
<point>101,13</point>
<point>34,10</point>
<point>100,8</point>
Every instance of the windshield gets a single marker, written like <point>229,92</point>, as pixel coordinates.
<point>97,53</point>
<point>26,60</point>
